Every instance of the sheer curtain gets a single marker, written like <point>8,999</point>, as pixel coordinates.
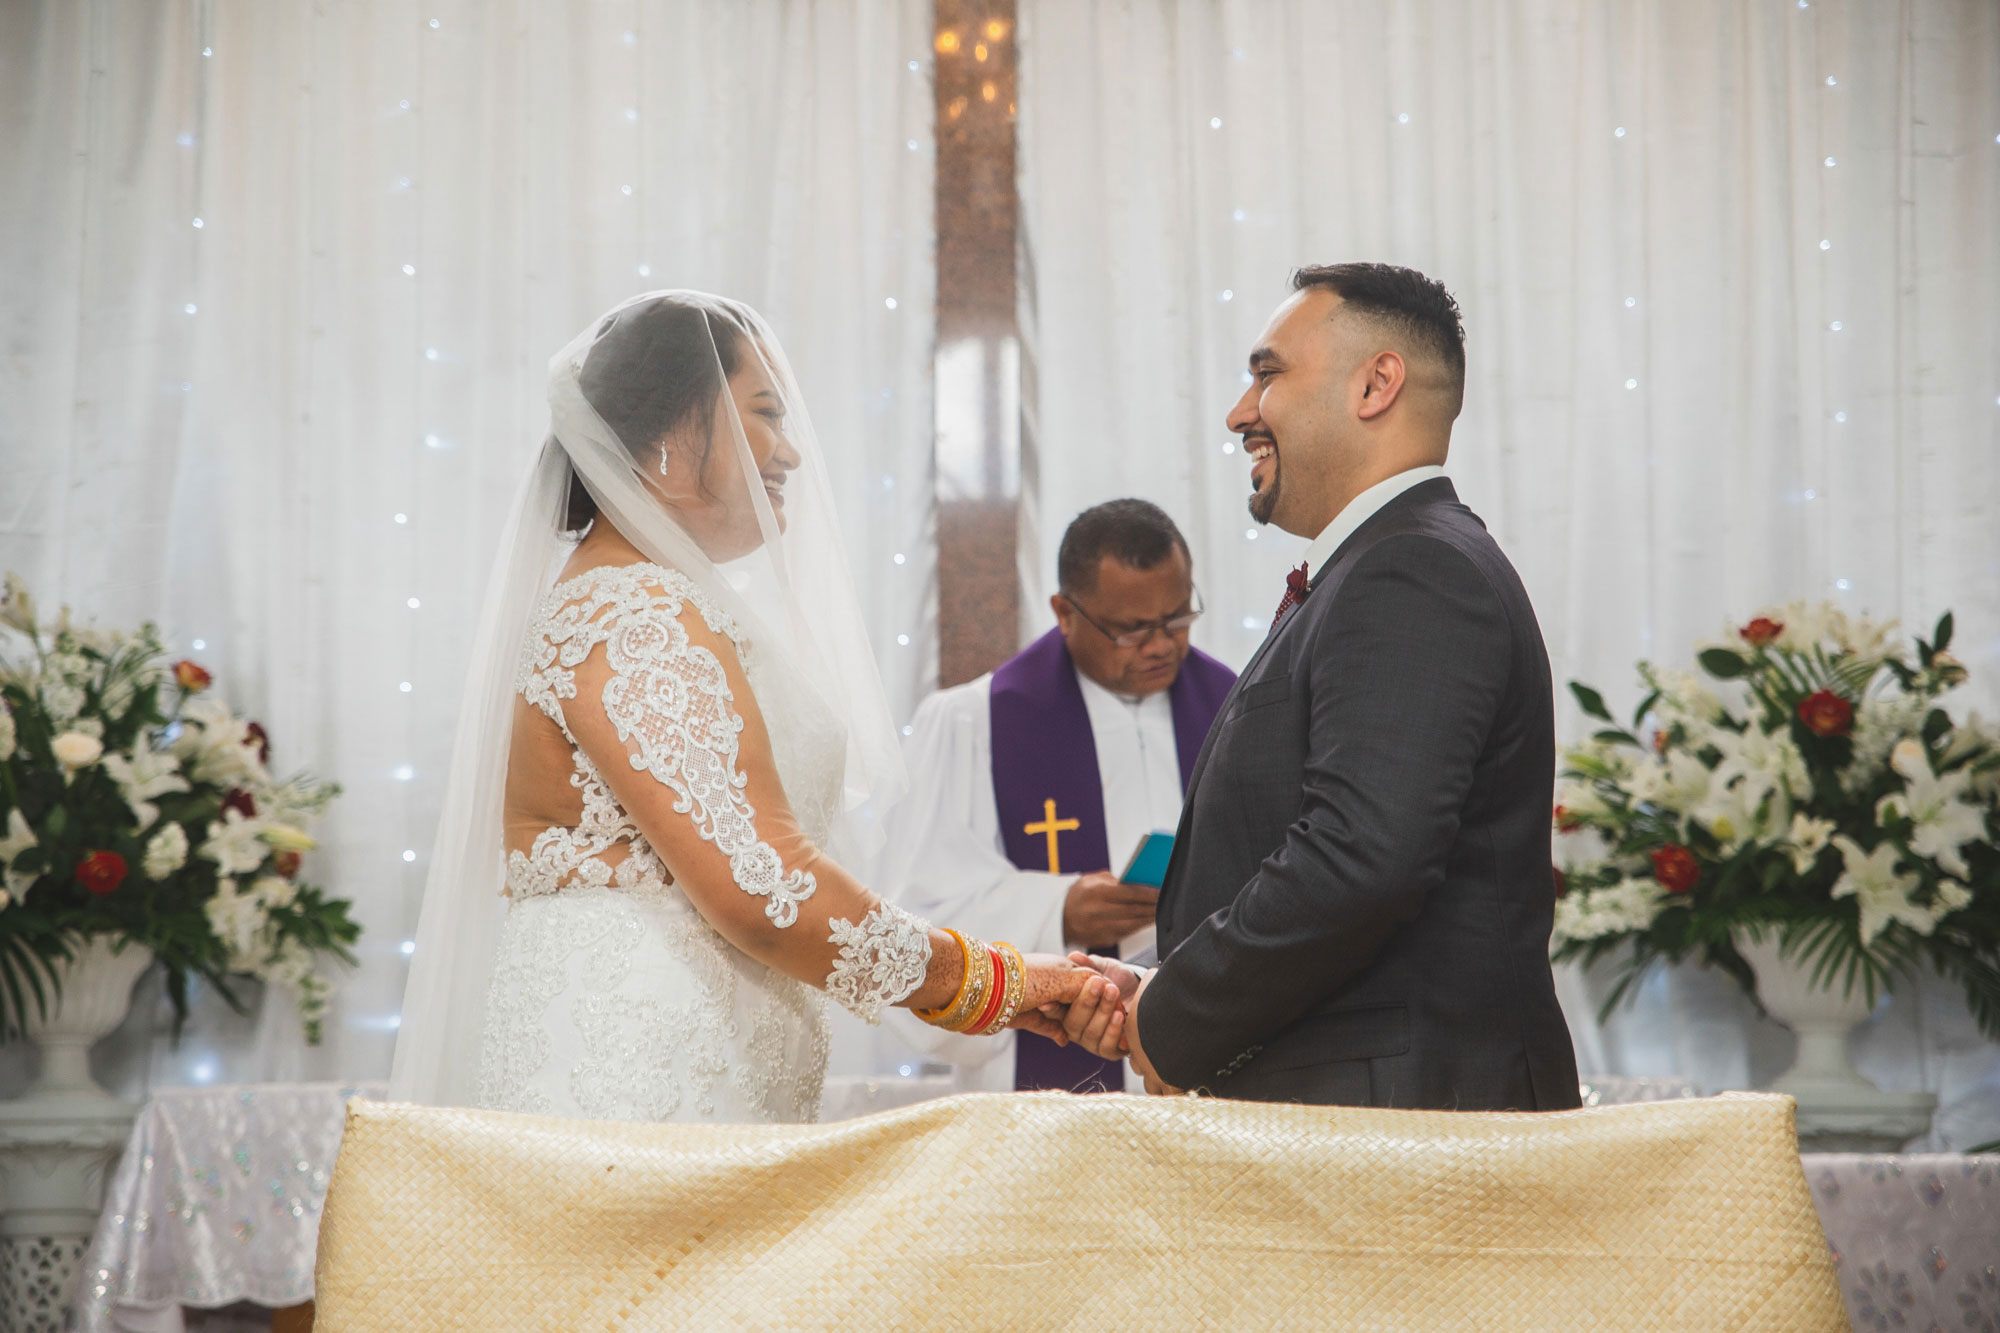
<point>1731,287</point>
<point>282,282</point>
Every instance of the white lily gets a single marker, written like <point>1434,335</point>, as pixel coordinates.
<point>1883,891</point>
<point>1676,781</point>
<point>1735,814</point>
<point>144,774</point>
<point>235,844</point>
<point>1944,821</point>
<point>18,838</point>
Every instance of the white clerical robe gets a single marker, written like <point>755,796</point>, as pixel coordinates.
<point>943,856</point>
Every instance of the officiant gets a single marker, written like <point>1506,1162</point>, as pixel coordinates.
<point>1032,787</point>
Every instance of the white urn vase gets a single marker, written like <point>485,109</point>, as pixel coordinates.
<point>1839,1109</point>
<point>95,994</point>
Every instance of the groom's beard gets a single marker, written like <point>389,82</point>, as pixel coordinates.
<point>1263,502</point>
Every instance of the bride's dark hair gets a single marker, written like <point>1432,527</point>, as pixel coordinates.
<point>649,371</point>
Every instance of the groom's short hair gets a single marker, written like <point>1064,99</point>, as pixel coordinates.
<point>1137,533</point>
<point>1407,302</point>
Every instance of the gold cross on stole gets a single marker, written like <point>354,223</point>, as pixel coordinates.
<point>1051,826</point>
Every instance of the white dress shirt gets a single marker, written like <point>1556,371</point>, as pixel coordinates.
<point>1359,510</point>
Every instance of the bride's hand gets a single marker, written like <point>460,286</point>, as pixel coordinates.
<point>1052,983</point>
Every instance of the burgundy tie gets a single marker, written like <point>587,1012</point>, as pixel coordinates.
<point>1297,585</point>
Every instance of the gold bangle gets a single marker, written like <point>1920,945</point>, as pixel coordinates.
<point>1017,985</point>
<point>973,989</point>
<point>964,980</point>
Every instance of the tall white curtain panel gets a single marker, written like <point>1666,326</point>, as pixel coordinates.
<point>280,286</point>
<point>1730,273</point>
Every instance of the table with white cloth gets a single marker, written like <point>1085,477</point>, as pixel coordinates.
<point>216,1203</point>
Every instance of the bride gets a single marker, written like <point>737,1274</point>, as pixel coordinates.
<point>672,738</point>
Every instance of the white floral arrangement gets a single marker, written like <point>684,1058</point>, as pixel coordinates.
<point>136,806</point>
<point>1810,781</point>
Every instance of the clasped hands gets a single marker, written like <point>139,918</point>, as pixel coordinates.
<point>1093,1005</point>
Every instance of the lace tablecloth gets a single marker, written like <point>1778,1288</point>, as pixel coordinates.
<point>217,1201</point>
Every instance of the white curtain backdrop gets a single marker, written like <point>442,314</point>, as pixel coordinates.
<point>281,280</point>
<point>1731,279</point>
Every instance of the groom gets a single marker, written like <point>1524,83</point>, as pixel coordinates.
<point>1358,907</point>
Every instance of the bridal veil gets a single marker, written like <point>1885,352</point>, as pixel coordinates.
<point>791,594</point>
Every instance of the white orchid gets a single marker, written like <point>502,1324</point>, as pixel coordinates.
<point>235,844</point>
<point>1943,820</point>
<point>18,838</point>
<point>1631,904</point>
<point>166,852</point>
<point>1808,838</point>
<point>142,775</point>
<point>1883,891</point>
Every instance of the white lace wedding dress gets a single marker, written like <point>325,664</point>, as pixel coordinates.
<point>611,996</point>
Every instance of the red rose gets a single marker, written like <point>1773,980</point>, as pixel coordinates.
<point>1675,868</point>
<point>1562,884</point>
<point>101,872</point>
<point>1827,714</point>
<point>1567,822</point>
<point>191,677</point>
<point>241,802</point>
<point>286,863</point>
<point>1761,631</point>
<point>255,731</point>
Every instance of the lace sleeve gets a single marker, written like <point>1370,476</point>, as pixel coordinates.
<point>670,702</point>
<point>881,961</point>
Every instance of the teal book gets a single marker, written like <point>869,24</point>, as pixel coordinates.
<point>1149,862</point>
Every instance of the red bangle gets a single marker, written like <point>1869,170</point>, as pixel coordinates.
<point>998,995</point>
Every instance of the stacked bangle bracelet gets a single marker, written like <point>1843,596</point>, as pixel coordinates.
<point>989,993</point>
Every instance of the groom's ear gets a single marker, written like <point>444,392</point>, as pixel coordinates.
<point>1382,378</point>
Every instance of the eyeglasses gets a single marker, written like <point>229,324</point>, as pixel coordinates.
<point>1132,638</point>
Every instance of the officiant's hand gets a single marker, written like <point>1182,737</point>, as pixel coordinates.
<point>1101,910</point>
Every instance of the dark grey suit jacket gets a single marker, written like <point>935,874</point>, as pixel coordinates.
<point>1358,906</point>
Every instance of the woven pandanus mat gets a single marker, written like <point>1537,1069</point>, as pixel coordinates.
<point>1044,1210</point>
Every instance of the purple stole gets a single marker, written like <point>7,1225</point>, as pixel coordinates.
<point>1051,800</point>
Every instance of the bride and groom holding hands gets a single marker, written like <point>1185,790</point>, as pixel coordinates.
<point>673,736</point>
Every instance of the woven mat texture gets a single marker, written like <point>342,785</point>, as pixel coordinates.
<point>1044,1210</point>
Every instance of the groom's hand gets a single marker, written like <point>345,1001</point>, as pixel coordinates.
<point>1097,1019</point>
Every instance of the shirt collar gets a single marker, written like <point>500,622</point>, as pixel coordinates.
<point>1359,510</point>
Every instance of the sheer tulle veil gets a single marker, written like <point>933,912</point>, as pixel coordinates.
<point>791,595</point>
